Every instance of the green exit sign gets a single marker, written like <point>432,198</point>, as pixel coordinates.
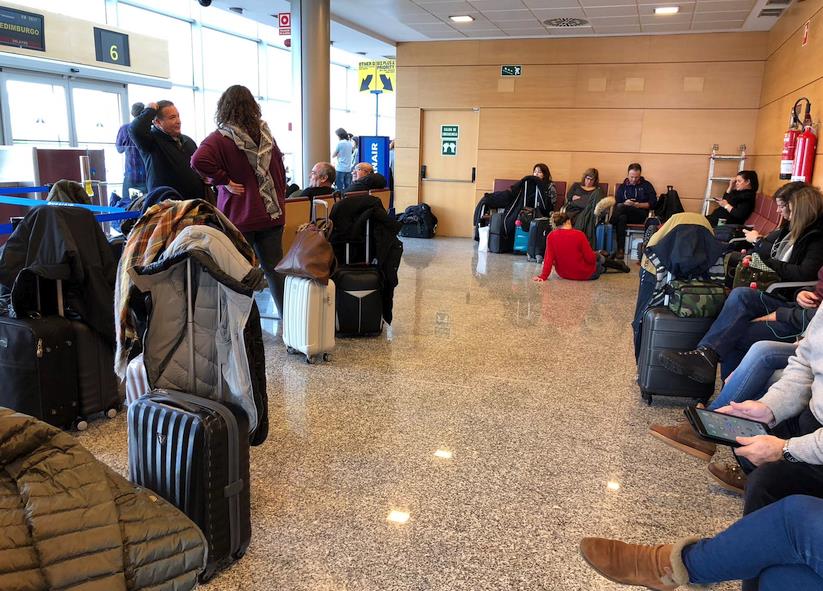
<point>511,70</point>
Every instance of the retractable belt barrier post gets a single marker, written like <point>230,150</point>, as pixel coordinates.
<point>102,212</point>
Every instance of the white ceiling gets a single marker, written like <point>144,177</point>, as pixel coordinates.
<point>374,26</point>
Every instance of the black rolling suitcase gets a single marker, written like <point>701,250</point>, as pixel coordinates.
<point>38,365</point>
<point>498,240</point>
<point>194,452</point>
<point>359,299</point>
<point>96,382</point>
<point>664,331</point>
<point>538,230</point>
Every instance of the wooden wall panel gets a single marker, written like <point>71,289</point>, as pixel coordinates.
<point>406,166</point>
<point>793,18</point>
<point>714,47</point>
<point>694,132</point>
<point>594,130</point>
<point>793,66</point>
<point>569,86</point>
<point>407,124</point>
<point>404,196</point>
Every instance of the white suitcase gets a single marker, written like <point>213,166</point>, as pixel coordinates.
<point>137,383</point>
<point>308,317</point>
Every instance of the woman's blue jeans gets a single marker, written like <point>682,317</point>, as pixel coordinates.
<point>751,378</point>
<point>781,544</point>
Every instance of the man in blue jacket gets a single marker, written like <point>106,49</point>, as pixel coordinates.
<point>633,199</point>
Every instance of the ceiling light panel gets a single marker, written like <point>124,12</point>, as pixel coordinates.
<point>666,10</point>
<point>462,18</point>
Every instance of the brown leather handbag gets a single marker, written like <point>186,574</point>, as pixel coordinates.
<point>311,255</point>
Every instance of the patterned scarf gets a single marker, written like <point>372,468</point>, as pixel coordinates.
<point>260,159</point>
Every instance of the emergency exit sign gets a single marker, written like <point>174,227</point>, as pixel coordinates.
<point>511,70</point>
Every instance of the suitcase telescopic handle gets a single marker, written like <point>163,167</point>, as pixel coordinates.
<point>313,210</point>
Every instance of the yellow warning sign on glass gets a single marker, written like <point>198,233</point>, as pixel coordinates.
<point>377,76</point>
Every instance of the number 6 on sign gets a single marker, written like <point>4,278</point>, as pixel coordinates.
<point>113,53</point>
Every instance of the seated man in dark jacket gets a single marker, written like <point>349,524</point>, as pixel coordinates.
<point>365,179</point>
<point>322,177</point>
<point>634,199</point>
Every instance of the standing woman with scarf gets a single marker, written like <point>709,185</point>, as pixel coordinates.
<point>242,158</point>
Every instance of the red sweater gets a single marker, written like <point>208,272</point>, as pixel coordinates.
<point>220,160</point>
<point>569,252</point>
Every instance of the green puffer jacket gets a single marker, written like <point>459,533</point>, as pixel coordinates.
<point>67,521</point>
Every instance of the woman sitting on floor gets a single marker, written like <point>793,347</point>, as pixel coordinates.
<point>568,251</point>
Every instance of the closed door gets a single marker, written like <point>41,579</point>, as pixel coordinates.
<point>448,168</point>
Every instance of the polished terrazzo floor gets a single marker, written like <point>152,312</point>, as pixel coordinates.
<point>529,387</point>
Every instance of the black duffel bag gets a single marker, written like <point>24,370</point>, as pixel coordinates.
<point>418,222</point>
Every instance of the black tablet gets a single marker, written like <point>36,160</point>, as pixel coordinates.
<point>722,428</point>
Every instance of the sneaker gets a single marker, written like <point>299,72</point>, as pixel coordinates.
<point>683,437</point>
<point>539,259</point>
<point>700,365</point>
<point>530,259</point>
<point>729,476</point>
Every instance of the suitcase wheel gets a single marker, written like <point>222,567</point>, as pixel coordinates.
<point>111,413</point>
<point>239,554</point>
<point>326,356</point>
<point>291,350</point>
<point>81,424</point>
<point>647,396</point>
<point>310,359</point>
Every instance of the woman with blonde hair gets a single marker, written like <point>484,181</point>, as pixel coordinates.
<point>242,157</point>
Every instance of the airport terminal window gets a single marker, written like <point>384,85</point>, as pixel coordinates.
<point>279,73</point>
<point>38,113</point>
<point>98,115</point>
<point>92,10</point>
<point>338,85</point>
<point>229,60</point>
<point>178,7</point>
<point>228,21</point>
<point>175,31</point>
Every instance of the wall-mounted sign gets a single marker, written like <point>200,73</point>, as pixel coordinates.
<point>449,134</point>
<point>377,76</point>
<point>111,47</point>
<point>284,23</point>
<point>511,70</point>
<point>22,29</point>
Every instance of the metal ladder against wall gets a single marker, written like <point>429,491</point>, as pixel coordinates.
<point>713,158</point>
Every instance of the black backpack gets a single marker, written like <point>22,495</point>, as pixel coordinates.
<point>418,222</point>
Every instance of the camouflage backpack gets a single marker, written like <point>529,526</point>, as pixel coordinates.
<point>695,298</point>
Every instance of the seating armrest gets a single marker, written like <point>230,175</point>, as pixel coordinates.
<point>789,285</point>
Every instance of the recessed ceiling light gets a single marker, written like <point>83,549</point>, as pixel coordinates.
<point>398,516</point>
<point>443,454</point>
<point>463,18</point>
<point>667,10</point>
<point>612,485</point>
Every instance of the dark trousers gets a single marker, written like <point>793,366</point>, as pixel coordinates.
<point>268,245</point>
<point>624,215</point>
<point>771,482</point>
<point>733,332</point>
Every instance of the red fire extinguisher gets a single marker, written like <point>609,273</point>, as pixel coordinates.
<point>805,149</point>
<point>789,145</point>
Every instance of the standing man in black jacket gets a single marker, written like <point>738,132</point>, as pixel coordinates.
<point>165,151</point>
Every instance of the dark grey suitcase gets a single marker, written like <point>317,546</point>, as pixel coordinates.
<point>96,382</point>
<point>499,241</point>
<point>538,230</point>
<point>194,452</point>
<point>664,331</point>
<point>38,365</point>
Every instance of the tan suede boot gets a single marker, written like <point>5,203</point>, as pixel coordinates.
<point>681,436</point>
<point>657,567</point>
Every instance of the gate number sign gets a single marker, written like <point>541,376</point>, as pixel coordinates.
<point>111,47</point>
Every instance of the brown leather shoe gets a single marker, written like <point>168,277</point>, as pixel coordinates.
<point>683,437</point>
<point>656,567</point>
<point>729,476</point>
